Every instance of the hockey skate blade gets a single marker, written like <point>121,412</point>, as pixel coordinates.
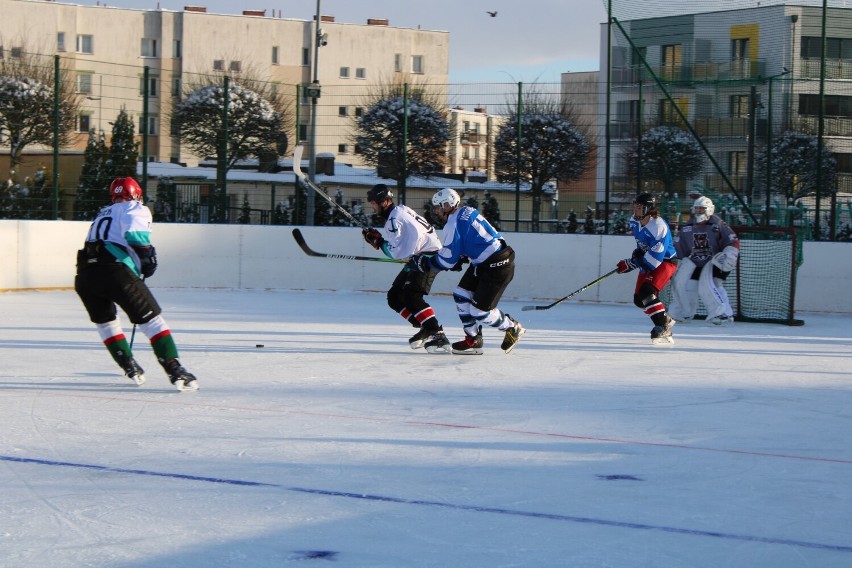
<point>438,350</point>
<point>139,380</point>
<point>668,340</point>
<point>517,339</point>
<point>474,351</point>
<point>186,386</point>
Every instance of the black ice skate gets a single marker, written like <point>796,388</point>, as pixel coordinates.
<point>469,345</point>
<point>513,335</point>
<point>182,379</point>
<point>132,370</point>
<point>438,342</point>
<point>662,334</point>
<point>420,338</point>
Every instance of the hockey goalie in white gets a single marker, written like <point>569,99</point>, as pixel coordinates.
<point>708,249</point>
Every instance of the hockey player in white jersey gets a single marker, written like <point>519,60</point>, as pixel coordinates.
<point>656,259</point>
<point>405,234</point>
<point>708,248</point>
<point>117,255</point>
<point>467,235</point>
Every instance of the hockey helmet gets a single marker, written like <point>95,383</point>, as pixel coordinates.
<point>708,206</point>
<point>379,193</point>
<point>446,196</point>
<point>648,203</point>
<point>125,188</point>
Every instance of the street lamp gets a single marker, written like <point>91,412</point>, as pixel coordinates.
<point>769,140</point>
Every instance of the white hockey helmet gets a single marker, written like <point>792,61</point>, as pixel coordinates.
<point>446,196</point>
<point>708,206</point>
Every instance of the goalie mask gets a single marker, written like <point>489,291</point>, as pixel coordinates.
<point>125,188</point>
<point>708,206</point>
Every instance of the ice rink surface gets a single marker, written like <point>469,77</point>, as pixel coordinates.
<point>335,444</point>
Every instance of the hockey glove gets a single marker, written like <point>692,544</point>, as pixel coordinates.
<point>626,265</point>
<point>459,266</point>
<point>727,259</point>
<point>420,263</point>
<point>374,238</point>
<point>637,255</point>
<point>147,260</point>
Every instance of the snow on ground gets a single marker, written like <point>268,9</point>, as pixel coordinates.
<point>336,444</point>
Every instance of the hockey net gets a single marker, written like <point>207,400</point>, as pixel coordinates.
<point>762,288</point>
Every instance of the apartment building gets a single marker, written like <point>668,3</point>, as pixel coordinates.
<point>110,52</point>
<point>740,77</point>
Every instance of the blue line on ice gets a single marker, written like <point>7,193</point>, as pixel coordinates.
<point>478,509</point>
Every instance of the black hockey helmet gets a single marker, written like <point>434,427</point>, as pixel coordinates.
<point>648,203</point>
<point>379,193</point>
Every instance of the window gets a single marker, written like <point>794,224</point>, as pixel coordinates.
<point>739,49</point>
<point>152,86</point>
<point>177,50</point>
<point>668,113</point>
<point>176,87</point>
<point>152,125</point>
<point>149,47</point>
<point>343,111</point>
<point>359,112</point>
<point>84,122</point>
<point>672,55</point>
<point>360,73</point>
<point>84,83</point>
<point>174,128</point>
<point>235,66</point>
<point>737,165</point>
<point>341,149</point>
<point>275,55</point>
<point>303,132</point>
<point>60,41</point>
<point>397,62</point>
<point>358,149</point>
<point>219,65</point>
<point>836,48</point>
<point>344,72</point>
<point>835,105</point>
<point>844,163</point>
<point>85,44</point>
<point>739,106</point>
<point>306,56</point>
<point>417,64</point>
<point>16,52</point>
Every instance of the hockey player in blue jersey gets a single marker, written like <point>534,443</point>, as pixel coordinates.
<point>110,266</point>
<point>656,259</point>
<point>468,236</point>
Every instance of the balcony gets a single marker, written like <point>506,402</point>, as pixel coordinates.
<point>832,125</point>
<point>739,70</point>
<point>470,137</point>
<point>736,126</point>
<point>834,69</point>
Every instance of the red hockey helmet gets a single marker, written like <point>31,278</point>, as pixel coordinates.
<point>125,188</point>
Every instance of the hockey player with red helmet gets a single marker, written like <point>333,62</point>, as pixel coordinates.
<point>656,259</point>
<point>111,267</point>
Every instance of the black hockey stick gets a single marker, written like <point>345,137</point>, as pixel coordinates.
<point>297,169</point>
<point>300,240</point>
<point>571,295</point>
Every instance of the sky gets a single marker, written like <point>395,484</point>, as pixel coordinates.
<point>526,41</point>
<point>319,438</point>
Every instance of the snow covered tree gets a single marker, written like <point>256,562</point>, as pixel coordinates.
<point>32,199</point>
<point>379,133</point>
<point>589,226</point>
<point>551,147</point>
<point>123,148</point>
<point>794,166</point>
<point>668,154</point>
<point>95,177</point>
<point>472,201</point>
<point>27,104</point>
<point>245,211</point>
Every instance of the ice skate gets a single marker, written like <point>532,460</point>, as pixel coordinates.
<point>420,338</point>
<point>438,342</point>
<point>721,320</point>
<point>662,334</point>
<point>182,379</point>
<point>469,345</point>
<point>133,371</point>
<point>513,335</point>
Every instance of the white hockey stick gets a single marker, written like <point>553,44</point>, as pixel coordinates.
<point>297,169</point>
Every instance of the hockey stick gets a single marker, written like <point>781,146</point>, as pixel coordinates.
<point>133,333</point>
<point>571,295</point>
<point>300,240</point>
<point>297,169</point>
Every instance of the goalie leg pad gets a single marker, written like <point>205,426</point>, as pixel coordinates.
<point>713,295</point>
<point>684,292</point>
